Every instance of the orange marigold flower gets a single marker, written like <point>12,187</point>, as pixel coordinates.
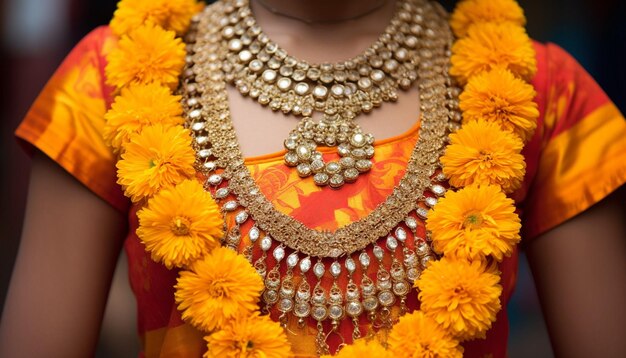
<point>490,45</point>
<point>172,15</point>
<point>252,336</point>
<point>469,12</point>
<point>474,222</point>
<point>217,289</point>
<point>156,157</point>
<point>418,335</point>
<point>147,54</point>
<point>180,224</point>
<point>498,96</point>
<point>362,348</point>
<point>482,153</point>
<point>463,297</point>
<point>137,106</point>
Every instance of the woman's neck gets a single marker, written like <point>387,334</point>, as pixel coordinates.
<point>322,11</point>
<point>312,30</point>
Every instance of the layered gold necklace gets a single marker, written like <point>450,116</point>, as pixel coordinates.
<point>262,70</point>
<point>282,239</point>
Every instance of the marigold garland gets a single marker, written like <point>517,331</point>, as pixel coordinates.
<point>145,55</point>
<point>252,336</point>
<point>363,348</point>
<point>180,224</point>
<point>418,335</point>
<point>493,59</point>
<point>470,12</point>
<point>474,223</point>
<point>482,153</point>
<point>138,106</point>
<point>493,45</point>
<point>169,14</point>
<point>218,290</point>
<point>462,296</point>
<point>154,158</point>
<point>498,96</point>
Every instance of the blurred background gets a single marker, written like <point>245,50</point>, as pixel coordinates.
<point>35,35</point>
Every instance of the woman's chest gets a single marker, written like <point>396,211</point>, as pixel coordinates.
<point>261,131</point>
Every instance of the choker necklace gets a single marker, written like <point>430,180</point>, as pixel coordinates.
<point>278,12</point>
<point>259,68</point>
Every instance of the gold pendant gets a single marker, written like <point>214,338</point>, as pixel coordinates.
<point>355,149</point>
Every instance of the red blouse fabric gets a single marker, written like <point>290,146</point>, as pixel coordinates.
<point>576,157</point>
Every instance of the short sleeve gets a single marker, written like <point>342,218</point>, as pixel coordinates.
<point>578,155</point>
<point>66,120</point>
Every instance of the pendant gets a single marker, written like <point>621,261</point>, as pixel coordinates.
<point>353,146</point>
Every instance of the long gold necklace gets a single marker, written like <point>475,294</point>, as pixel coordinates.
<point>262,70</point>
<point>399,257</point>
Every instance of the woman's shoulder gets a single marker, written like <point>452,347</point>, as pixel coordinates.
<point>100,40</point>
<point>566,92</point>
<point>99,35</point>
<point>65,122</point>
<point>576,157</point>
<point>556,65</point>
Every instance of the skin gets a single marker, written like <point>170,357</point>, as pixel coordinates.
<point>71,238</point>
<point>579,269</point>
<point>69,247</point>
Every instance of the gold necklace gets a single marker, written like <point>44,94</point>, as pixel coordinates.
<point>259,68</point>
<point>399,256</point>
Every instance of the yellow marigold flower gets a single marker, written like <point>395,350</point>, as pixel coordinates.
<point>498,96</point>
<point>180,224</point>
<point>156,157</point>
<point>482,153</point>
<point>147,54</point>
<point>172,15</point>
<point>490,45</point>
<point>362,348</point>
<point>475,222</point>
<point>469,12</point>
<point>137,106</point>
<point>417,335</point>
<point>463,297</point>
<point>254,336</point>
<point>219,288</point>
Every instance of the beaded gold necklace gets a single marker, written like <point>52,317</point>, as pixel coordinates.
<point>259,68</point>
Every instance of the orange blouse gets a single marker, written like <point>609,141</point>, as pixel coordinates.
<point>576,157</point>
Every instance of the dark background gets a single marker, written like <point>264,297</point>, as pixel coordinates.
<point>36,35</point>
